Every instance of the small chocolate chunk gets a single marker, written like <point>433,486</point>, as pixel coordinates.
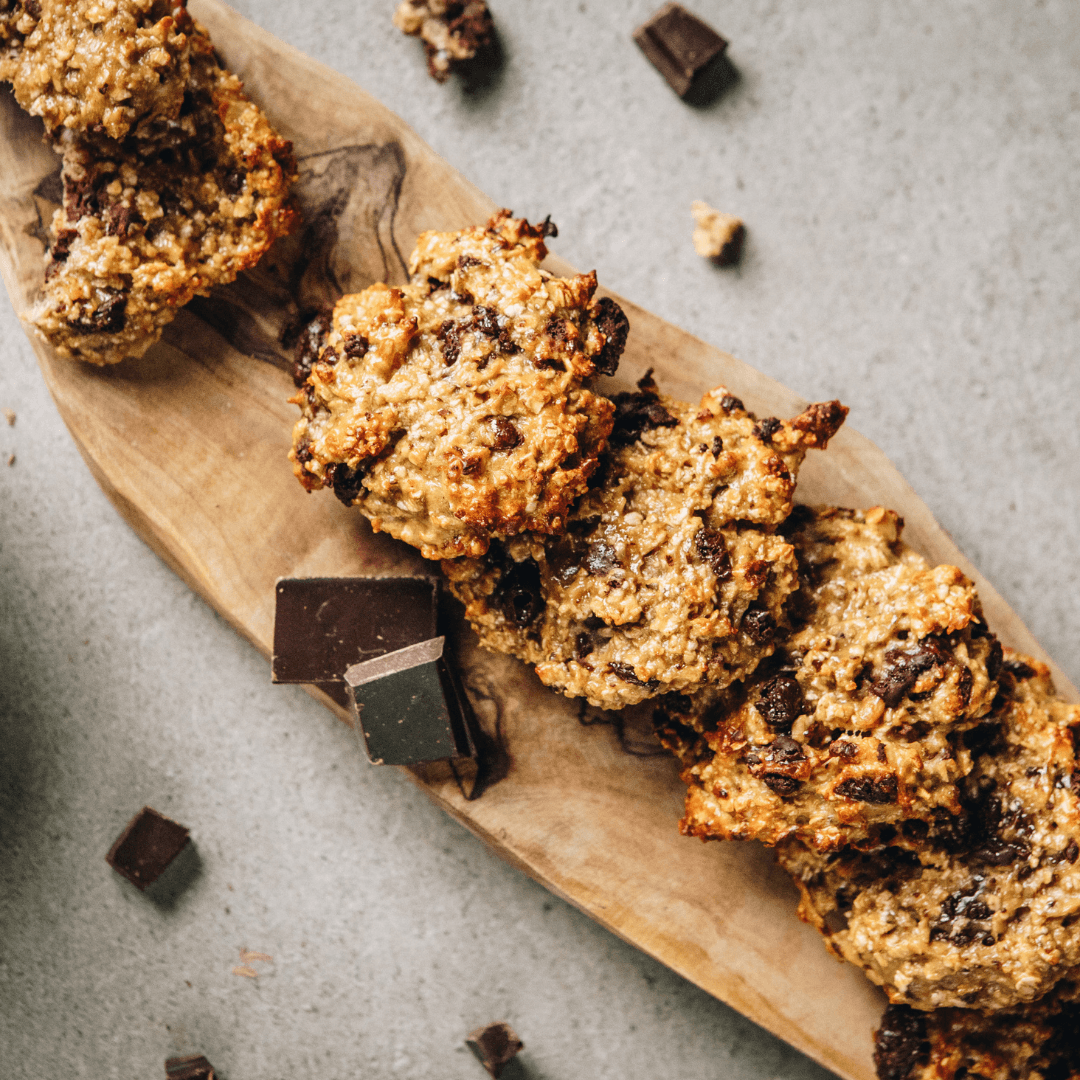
<point>324,625</point>
<point>903,668</point>
<point>192,1067</point>
<point>615,326</point>
<point>346,483</point>
<point>732,404</point>
<point>407,707</point>
<point>1019,670</point>
<point>149,843</point>
<point>627,674</point>
<point>781,702</point>
<point>518,593</point>
<point>767,428</point>
<point>506,436</point>
<point>312,338</point>
<point>759,625</point>
<point>108,317</point>
<point>495,1046</point>
<point>900,1044</point>
<point>679,45</point>
<point>449,335</point>
<point>877,789</point>
<point>640,412</point>
<point>710,548</point>
<point>120,218</point>
<point>356,346</point>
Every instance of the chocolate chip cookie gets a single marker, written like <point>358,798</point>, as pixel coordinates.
<point>855,722</point>
<point>146,224</point>
<point>453,410</point>
<point>980,909</point>
<point>669,573</point>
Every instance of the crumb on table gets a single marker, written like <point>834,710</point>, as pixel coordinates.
<point>716,236</point>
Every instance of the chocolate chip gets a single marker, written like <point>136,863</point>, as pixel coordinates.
<point>356,346</point>
<point>963,688</point>
<point>879,790</point>
<point>781,702</point>
<point>728,403</point>
<point>843,749</point>
<point>345,482</point>
<point>759,625</point>
<point>1019,670</point>
<point>1071,852</point>
<point>998,852</point>
<point>109,315</point>
<point>600,559</point>
<point>710,548</point>
<point>506,435</point>
<point>717,446</point>
<point>565,554</point>
<point>614,325</point>
<point>994,660</point>
<point>449,336</point>
<point>767,428</point>
<point>119,218</point>
<point>782,785</point>
<point>518,593</point>
<point>640,412</point>
<point>583,645</point>
<point>901,1045</point>
<point>309,344</point>
<point>627,674</point>
<point>903,668</point>
<point>233,182</point>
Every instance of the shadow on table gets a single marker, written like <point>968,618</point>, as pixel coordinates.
<point>178,877</point>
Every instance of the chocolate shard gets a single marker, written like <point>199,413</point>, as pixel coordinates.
<point>409,708</point>
<point>324,625</point>
<point>495,1046</point>
<point>192,1067</point>
<point>679,45</point>
<point>149,843</point>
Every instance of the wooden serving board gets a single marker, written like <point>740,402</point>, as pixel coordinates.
<point>190,445</point>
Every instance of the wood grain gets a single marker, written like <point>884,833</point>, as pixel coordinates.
<point>190,446</point>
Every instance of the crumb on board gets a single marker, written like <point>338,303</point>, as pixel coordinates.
<point>716,236</point>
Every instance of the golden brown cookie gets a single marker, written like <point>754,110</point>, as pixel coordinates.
<point>980,910</point>
<point>453,410</point>
<point>107,66</point>
<point>1031,1042</point>
<point>147,224</point>
<point>669,574</point>
<point>854,723</point>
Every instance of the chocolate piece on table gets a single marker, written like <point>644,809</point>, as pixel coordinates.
<point>494,1045</point>
<point>678,45</point>
<point>149,843</point>
<point>409,707</point>
<point>324,625</point>
<point>192,1067</point>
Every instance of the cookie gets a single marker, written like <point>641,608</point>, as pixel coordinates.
<point>1030,1042</point>
<point>453,31</point>
<point>854,723</point>
<point>981,909</point>
<point>108,66</point>
<point>147,224</point>
<point>669,573</point>
<point>452,410</point>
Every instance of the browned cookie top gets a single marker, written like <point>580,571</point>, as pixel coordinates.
<point>669,574</point>
<point>453,410</point>
<point>149,223</point>
<point>854,723</point>
<point>1028,1042</point>
<point>101,65</point>
<point>981,909</point>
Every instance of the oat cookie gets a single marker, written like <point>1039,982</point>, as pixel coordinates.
<point>1029,1042</point>
<point>452,31</point>
<point>670,573</point>
<point>101,65</point>
<point>978,910</point>
<point>453,409</point>
<point>854,723</point>
<point>147,224</point>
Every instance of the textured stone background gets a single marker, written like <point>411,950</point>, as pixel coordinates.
<point>910,180</point>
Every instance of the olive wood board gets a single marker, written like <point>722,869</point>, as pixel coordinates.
<point>190,445</point>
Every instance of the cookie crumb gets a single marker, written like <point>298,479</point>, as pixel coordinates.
<point>495,1046</point>
<point>11,459</point>
<point>717,236</point>
<point>452,32</point>
<point>9,416</point>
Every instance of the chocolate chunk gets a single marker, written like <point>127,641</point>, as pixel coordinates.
<point>998,852</point>
<point>717,446</point>
<point>356,346</point>
<point>1071,852</point>
<point>900,1044</point>
<point>312,338</point>
<point>449,335</point>
<point>547,228</point>
<point>517,593</point>
<point>994,660</point>
<point>192,1067</point>
<point>149,843</point>
<point>345,482</point>
<point>759,625</point>
<point>729,403</point>
<point>777,764</point>
<point>903,668</point>
<point>615,326</point>
<point>877,789</point>
<point>781,702</point>
<point>324,625</point>
<point>120,218</point>
<point>600,559</point>
<point>627,674</point>
<point>710,548</point>
<point>495,1046</point>
<point>506,436</point>
<point>767,428</point>
<point>109,315</point>
<point>234,182</point>
<point>679,45</point>
<point>1019,670</point>
<point>407,707</point>
<point>640,412</point>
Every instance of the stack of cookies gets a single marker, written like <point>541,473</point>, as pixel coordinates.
<point>173,179</point>
<point>827,690</point>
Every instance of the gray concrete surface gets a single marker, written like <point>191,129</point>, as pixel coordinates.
<point>909,175</point>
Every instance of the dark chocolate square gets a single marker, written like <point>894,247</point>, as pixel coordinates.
<point>192,1067</point>
<point>148,844</point>
<point>408,708</point>
<point>679,45</point>
<point>324,625</point>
